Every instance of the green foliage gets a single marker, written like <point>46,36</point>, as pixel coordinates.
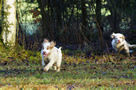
<point>133,31</point>
<point>18,54</point>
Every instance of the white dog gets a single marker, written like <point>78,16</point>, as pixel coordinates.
<point>119,43</point>
<point>52,53</point>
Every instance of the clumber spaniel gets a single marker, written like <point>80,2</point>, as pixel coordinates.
<point>119,43</point>
<point>52,53</point>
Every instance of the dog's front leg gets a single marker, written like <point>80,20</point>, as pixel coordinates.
<point>49,65</point>
<point>126,49</point>
<point>55,67</point>
<point>43,63</point>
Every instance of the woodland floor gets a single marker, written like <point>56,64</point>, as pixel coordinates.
<point>105,72</point>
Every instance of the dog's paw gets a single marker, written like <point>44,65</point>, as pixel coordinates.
<point>43,64</point>
<point>46,69</point>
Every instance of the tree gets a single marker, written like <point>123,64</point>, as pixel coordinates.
<point>99,22</point>
<point>9,22</point>
<point>84,13</point>
<point>116,12</point>
<point>42,6</point>
<point>0,16</point>
<point>84,16</point>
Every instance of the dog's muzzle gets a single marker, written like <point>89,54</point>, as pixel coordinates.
<point>119,41</point>
<point>45,54</point>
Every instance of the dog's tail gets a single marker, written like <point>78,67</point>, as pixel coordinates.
<point>132,46</point>
<point>59,51</point>
<point>60,48</point>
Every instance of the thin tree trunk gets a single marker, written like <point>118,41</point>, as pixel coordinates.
<point>9,23</point>
<point>1,14</point>
<point>84,15</point>
<point>115,16</point>
<point>99,22</point>
<point>42,6</point>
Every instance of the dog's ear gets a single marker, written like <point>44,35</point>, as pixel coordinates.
<point>123,37</point>
<point>113,35</point>
<point>52,44</point>
<point>45,40</point>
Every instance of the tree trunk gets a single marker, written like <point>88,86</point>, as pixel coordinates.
<point>1,12</point>
<point>99,22</point>
<point>115,16</point>
<point>84,13</point>
<point>84,17</point>
<point>9,23</point>
<point>42,6</point>
<point>98,13</point>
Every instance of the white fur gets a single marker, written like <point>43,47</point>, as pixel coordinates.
<point>119,43</point>
<point>53,54</point>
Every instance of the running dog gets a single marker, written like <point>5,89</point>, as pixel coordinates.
<point>119,43</point>
<point>52,53</point>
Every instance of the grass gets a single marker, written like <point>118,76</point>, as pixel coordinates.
<point>82,76</point>
<point>23,70</point>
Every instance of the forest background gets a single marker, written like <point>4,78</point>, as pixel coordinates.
<point>71,22</point>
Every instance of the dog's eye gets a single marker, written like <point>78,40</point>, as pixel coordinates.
<point>48,47</point>
<point>42,47</point>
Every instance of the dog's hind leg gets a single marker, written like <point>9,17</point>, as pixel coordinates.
<point>58,66</point>
<point>55,67</point>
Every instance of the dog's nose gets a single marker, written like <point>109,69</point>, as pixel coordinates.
<point>44,52</point>
<point>118,41</point>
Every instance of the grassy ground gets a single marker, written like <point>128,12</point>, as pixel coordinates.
<point>23,70</point>
<point>81,76</point>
